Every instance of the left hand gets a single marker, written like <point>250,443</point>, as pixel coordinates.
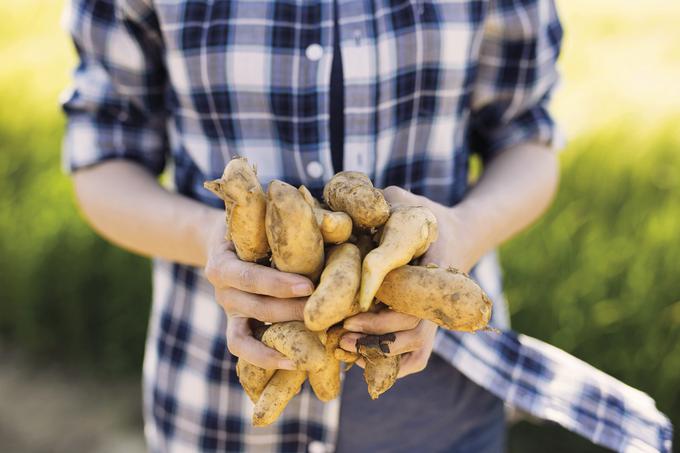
<point>414,337</point>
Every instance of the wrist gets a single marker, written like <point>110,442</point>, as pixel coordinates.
<point>210,230</point>
<point>466,235</point>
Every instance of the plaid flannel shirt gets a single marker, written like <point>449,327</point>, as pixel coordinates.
<point>427,82</point>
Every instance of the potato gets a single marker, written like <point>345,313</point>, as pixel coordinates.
<point>245,206</point>
<point>333,300</point>
<point>297,343</point>
<point>335,227</point>
<point>352,192</point>
<point>282,387</point>
<point>292,231</point>
<point>444,296</point>
<point>253,379</point>
<point>407,234</point>
<point>345,356</point>
<point>326,382</point>
<point>380,372</point>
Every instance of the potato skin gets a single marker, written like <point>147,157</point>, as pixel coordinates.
<point>300,345</point>
<point>353,192</point>
<point>380,372</point>
<point>326,382</point>
<point>282,387</point>
<point>333,300</point>
<point>335,227</point>
<point>253,379</point>
<point>407,234</point>
<point>444,296</point>
<point>245,206</point>
<point>292,231</point>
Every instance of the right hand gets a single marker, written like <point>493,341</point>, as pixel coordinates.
<point>248,290</point>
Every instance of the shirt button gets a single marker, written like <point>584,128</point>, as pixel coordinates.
<point>316,447</point>
<point>315,169</point>
<point>314,52</point>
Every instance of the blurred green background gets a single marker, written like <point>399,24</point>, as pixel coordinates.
<point>598,276</point>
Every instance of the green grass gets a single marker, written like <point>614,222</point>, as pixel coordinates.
<point>597,276</point>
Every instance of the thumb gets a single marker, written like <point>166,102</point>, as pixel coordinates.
<point>397,195</point>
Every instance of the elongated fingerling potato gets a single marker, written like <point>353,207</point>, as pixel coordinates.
<point>282,387</point>
<point>380,372</point>
<point>253,379</point>
<point>245,205</point>
<point>333,300</point>
<point>296,342</point>
<point>326,382</point>
<point>335,227</point>
<point>444,296</point>
<point>407,234</point>
<point>292,231</point>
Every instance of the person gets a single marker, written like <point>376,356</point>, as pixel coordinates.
<point>406,91</point>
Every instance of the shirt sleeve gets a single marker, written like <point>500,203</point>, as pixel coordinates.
<point>515,77</point>
<point>115,108</point>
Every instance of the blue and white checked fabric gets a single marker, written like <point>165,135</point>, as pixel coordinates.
<point>427,82</point>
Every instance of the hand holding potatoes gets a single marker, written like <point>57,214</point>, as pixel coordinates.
<point>359,251</point>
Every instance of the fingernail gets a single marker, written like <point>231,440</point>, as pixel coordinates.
<point>302,289</point>
<point>348,342</point>
<point>287,365</point>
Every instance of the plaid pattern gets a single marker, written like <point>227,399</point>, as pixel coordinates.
<point>427,82</point>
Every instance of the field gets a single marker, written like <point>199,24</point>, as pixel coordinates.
<point>598,276</point>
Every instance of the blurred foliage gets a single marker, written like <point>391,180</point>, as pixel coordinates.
<point>597,276</point>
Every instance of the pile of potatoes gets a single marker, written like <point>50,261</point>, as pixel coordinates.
<point>356,248</point>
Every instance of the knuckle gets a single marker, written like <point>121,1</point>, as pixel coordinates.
<point>262,312</point>
<point>392,192</point>
<point>246,278</point>
<point>212,273</point>
<point>233,344</point>
<point>225,298</point>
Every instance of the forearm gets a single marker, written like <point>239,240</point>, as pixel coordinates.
<point>126,205</point>
<point>514,190</point>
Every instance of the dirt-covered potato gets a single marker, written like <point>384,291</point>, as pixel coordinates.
<point>334,298</point>
<point>245,206</point>
<point>300,345</point>
<point>407,234</point>
<point>253,379</point>
<point>282,387</point>
<point>444,296</point>
<point>381,370</point>
<point>353,192</point>
<point>326,382</point>
<point>335,227</point>
<point>292,231</point>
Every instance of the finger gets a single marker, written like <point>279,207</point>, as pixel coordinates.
<point>397,195</point>
<point>241,344</point>
<point>263,308</point>
<point>225,270</point>
<point>348,342</point>
<point>405,341</point>
<point>381,322</point>
<point>411,363</point>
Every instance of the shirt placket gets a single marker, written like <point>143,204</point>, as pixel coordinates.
<point>314,164</point>
<point>357,31</point>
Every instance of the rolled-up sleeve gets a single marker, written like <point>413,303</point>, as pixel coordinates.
<point>515,77</point>
<point>115,107</point>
